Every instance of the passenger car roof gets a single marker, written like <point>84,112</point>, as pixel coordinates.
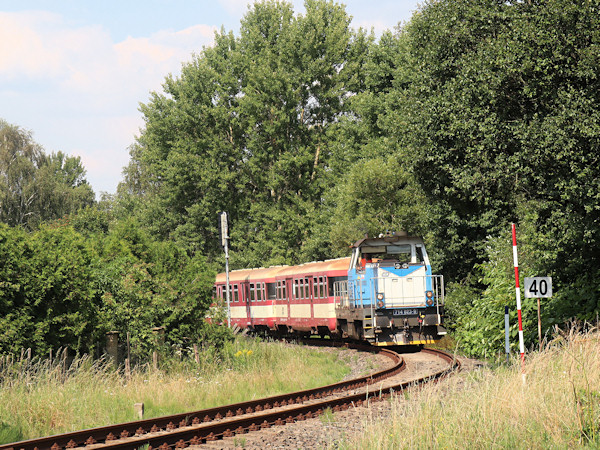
<point>267,273</point>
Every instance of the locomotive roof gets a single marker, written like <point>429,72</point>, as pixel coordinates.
<point>388,240</point>
<point>262,273</point>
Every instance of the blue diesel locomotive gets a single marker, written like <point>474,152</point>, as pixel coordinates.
<point>390,296</point>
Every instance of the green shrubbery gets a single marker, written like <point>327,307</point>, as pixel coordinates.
<point>476,306</point>
<point>69,282</point>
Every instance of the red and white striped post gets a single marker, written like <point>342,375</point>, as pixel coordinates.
<point>518,293</point>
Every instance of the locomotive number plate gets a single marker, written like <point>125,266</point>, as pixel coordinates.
<point>405,312</point>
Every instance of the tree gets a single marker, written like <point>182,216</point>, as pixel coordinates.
<point>62,187</point>
<point>35,187</point>
<point>245,129</point>
<point>19,159</point>
<point>62,288</point>
<point>378,195</point>
<point>47,298</point>
<point>499,108</point>
<point>503,111</point>
<point>144,284</point>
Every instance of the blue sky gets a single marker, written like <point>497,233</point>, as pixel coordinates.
<point>73,72</point>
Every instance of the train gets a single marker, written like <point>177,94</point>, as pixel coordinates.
<point>384,294</point>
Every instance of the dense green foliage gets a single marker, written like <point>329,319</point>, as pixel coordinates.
<point>66,288</point>
<point>507,115</point>
<point>47,297</point>
<point>504,126</point>
<point>475,114</point>
<point>246,128</point>
<point>69,272</point>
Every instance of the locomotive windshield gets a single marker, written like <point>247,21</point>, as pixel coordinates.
<point>390,253</point>
<point>385,252</point>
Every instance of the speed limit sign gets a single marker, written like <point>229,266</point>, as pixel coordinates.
<point>538,287</point>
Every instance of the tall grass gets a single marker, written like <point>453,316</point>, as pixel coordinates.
<point>556,406</point>
<point>44,397</point>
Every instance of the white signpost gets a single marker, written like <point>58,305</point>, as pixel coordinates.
<point>538,287</point>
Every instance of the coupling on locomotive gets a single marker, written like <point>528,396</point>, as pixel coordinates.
<point>384,294</point>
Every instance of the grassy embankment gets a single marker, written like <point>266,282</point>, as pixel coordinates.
<point>41,398</point>
<point>558,405</point>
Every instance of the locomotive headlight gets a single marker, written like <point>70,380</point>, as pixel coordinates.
<point>380,303</point>
<point>429,298</point>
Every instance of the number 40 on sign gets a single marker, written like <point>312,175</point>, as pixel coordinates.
<point>538,287</point>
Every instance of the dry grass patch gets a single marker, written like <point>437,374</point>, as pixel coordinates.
<point>42,398</point>
<point>558,405</point>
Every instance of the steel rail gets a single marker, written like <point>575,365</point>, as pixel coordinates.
<point>144,428</point>
<point>196,435</point>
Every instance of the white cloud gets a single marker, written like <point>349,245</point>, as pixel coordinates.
<point>42,44</point>
<point>148,60</point>
<point>79,91</point>
<point>32,45</point>
<point>84,61</point>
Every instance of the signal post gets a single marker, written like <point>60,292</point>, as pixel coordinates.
<point>225,243</point>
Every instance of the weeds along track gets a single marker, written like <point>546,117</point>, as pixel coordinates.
<point>198,427</point>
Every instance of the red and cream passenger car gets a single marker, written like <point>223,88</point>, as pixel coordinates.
<point>285,299</point>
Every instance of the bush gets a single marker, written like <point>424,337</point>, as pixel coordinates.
<point>61,289</point>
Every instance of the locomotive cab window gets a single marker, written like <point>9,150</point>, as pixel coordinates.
<point>385,255</point>
<point>420,259</point>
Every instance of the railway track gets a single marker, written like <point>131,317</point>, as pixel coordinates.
<point>195,428</point>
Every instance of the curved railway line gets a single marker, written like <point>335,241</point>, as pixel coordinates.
<point>198,427</point>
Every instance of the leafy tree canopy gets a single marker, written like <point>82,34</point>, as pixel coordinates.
<point>35,187</point>
<point>502,113</point>
<point>498,108</point>
<point>245,129</point>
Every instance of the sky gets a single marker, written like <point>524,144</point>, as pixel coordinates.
<point>74,72</point>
